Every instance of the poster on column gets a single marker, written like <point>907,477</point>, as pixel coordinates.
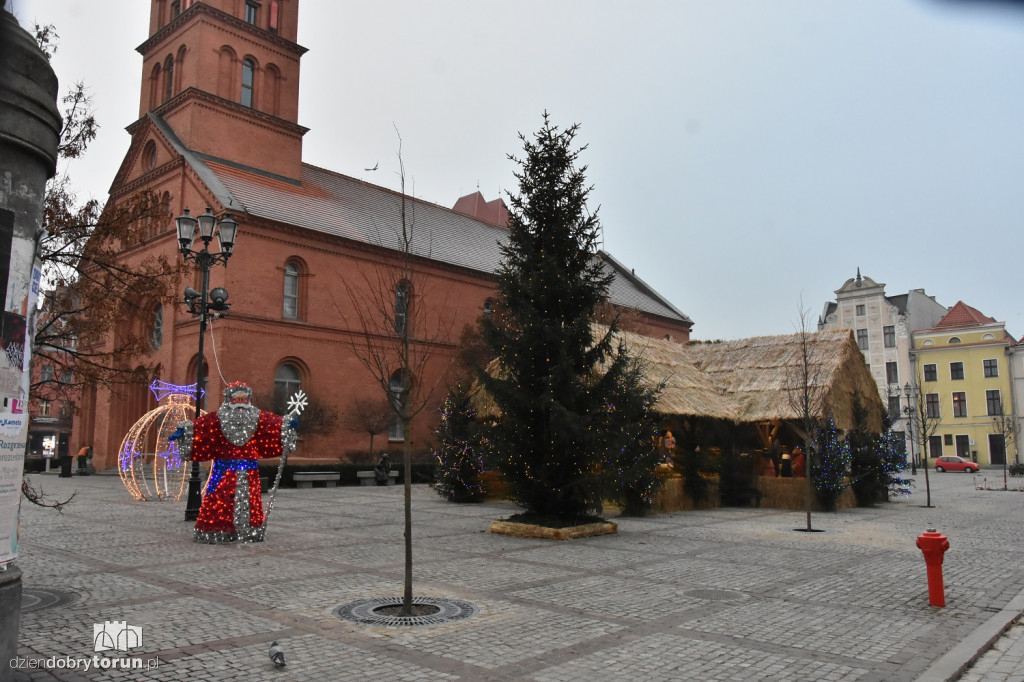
<point>21,280</point>
<point>13,433</point>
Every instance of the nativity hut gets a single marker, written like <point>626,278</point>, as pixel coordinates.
<point>747,393</point>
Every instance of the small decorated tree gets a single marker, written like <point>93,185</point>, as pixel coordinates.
<point>459,460</point>
<point>892,461</point>
<point>629,433</point>
<point>830,457</point>
<point>866,470</point>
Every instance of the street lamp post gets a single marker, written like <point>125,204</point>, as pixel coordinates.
<point>908,414</point>
<point>913,410</point>
<point>204,303</point>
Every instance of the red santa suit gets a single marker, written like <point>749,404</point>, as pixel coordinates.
<point>232,507</point>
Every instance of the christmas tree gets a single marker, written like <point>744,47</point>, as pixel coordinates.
<point>830,455</point>
<point>459,457</point>
<point>549,391</point>
<point>892,457</point>
<point>869,486</point>
<point>629,431</point>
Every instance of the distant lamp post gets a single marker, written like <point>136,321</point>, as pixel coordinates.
<point>204,303</point>
<point>917,412</point>
<point>909,413</point>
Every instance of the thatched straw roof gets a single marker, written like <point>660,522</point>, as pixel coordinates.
<point>759,379</point>
<point>752,380</point>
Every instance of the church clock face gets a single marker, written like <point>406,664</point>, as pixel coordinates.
<point>157,335</point>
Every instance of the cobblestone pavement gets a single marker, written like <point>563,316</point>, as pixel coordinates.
<point>726,594</point>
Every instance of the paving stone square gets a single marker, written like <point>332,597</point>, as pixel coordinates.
<point>721,594</point>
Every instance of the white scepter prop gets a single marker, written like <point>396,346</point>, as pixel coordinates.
<point>296,404</point>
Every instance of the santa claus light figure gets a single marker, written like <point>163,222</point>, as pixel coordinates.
<point>235,438</point>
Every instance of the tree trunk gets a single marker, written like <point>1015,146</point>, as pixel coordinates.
<point>407,461</point>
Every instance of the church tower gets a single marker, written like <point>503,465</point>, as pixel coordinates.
<point>224,77</point>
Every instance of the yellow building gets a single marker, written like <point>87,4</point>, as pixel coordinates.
<point>963,379</point>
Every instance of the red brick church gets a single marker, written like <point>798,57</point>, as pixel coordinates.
<point>219,127</point>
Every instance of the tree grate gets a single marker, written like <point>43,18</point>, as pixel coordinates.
<point>39,598</point>
<point>715,595</point>
<point>364,611</point>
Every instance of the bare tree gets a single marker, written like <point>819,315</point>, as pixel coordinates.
<point>1006,426</point>
<point>401,337</point>
<point>923,424</point>
<point>806,391</point>
<point>369,416</point>
<point>91,289</point>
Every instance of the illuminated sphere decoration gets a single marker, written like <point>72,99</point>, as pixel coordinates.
<point>149,465</point>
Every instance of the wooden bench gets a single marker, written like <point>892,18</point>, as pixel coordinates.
<point>306,479</point>
<point>370,477</point>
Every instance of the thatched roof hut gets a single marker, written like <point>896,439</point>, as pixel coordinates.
<point>755,381</point>
<point>760,379</point>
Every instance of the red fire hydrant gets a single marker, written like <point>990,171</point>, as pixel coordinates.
<point>934,545</point>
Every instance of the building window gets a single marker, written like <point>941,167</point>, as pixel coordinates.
<point>963,446</point>
<point>959,404</point>
<point>860,309</point>
<point>931,373</point>
<point>948,438</point>
<point>252,12</point>
<point>68,377</point>
<point>399,390</point>
<point>889,334</point>
<point>862,339</point>
<point>65,409</point>
<point>892,373</point>
<point>993,403</point>
<point>991,368</point>
<point>291,291</point>
<point>287,380</point>
<point>248,74</point>
<point>894,407</point>
<point>168,78</point>
<point>401,308</point>
<point>954,339</point>
<point>935,446</point>
<point>931,405</point>
<point>149,156</point>
<point>46,374</point>
<point>156,336</point>
<point>274,10</point>
<point>956,370</point>
<point>175,9</point>
<point>44,408</point>
<point>488,306</point>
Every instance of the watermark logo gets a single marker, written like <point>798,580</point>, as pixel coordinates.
<point>111,635</point>
<point>116,635</point>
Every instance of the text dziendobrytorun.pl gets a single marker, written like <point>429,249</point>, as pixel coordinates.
<point>84,664</point>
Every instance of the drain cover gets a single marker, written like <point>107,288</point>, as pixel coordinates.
<point>364,611</point>
<point>39,598</point>
<point>715,595</point>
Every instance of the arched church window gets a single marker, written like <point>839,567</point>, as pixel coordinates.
<point>168,78</point>
<point>402,295</point>
<point>149,156</point>
<point>398,388</point>
<point>248,74</point>
<point>156,335</point>
<point>291,291</point>
<point>287,380</point>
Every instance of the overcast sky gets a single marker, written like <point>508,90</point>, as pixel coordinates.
<point>746,155</point>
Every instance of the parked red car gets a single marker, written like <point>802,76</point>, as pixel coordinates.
<point>952,463</point>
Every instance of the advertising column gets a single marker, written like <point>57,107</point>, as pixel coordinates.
<point>29,131</point>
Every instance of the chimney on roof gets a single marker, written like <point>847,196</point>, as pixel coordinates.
<point>475,206</point>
